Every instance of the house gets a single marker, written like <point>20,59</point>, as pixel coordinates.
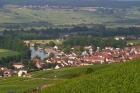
<point>55,47</point>
<point>7,73</point>
<point>119,38</point>
<point>18,65</point>
<point>22,73</point>
<point>4,72</point>
<point>38,63</point>
<point>57,67</point>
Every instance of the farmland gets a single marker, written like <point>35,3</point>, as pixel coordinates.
<point>123,77</point>
<point>19,85</point>
<point>117,78</point>
<point>41,18</point>
<point>54,16</point>
<point>137,42</point>
<point>40,78</point>
<point>7,53</point>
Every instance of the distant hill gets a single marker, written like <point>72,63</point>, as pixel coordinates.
<point>95,3</point>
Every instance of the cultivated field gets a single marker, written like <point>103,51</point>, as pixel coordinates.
<point>54,16</point>
<point>42,18</point>
<point>7,53</point>
<point>117,78</point>
<point>44,79</point>
<point>113,78</point>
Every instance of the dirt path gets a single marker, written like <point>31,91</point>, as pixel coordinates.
<point>41,87</point>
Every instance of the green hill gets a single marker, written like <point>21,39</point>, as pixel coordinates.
<point>8,56</point>
<point>107,78</point>
<point>117,78</point>
<point>7,53</point>
<point>42,78</point>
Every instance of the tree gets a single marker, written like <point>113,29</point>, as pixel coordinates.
<point>51,44</point>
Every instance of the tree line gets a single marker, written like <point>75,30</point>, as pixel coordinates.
<point>15,44</point>
<point>53,33</point>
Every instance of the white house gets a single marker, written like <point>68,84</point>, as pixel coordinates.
<point>18,65</point>
<point>22,73</point>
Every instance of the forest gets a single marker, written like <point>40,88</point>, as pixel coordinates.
<point>17,50</point>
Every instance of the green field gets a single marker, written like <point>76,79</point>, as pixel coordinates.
<point>137,42</point>
<point>58,42</point>
<point>56,17</point>
<point>12,14</point>
<point>7,53</point>
<point>41,78</point>
<point>112,78</point>
<point>117,78</point>
<point>20,85</point>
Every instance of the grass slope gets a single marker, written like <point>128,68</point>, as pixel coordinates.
<point>41,78</point>
<point>68,73</point>
<point>7,53</point>
<point>117,78</point>
<point>20,85</point>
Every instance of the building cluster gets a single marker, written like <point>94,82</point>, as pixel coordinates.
<point>89,56</point>
<point>100,56</point>
<point>59,59</point>
<point>17,69</point>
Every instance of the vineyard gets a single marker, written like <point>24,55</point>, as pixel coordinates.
<point>116,78</point>
<point>21,85</point>
<point>107,78</point>
<point>41,79</point>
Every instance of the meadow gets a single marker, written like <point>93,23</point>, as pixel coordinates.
<point>57,42</point>
<point>7,53</point>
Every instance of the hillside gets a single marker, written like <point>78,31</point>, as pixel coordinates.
<point>107,78</point>
<point>8,56</point>
<point>117,78</point>
<point>44,78</point>
<point>7,53</point>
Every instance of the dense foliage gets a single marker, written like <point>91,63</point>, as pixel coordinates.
<point>7,56</point>
<point>14,44</point>
<point>97,42</point>
<point>96,30</point>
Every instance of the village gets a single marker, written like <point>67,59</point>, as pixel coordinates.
<point>57,59</point>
